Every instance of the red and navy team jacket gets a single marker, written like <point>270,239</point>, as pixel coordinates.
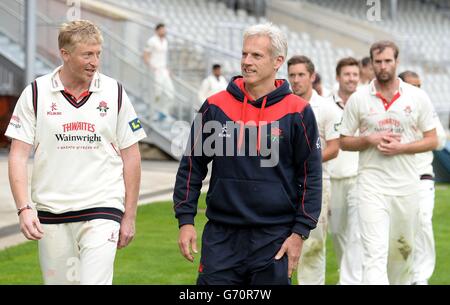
<point>241,191</point>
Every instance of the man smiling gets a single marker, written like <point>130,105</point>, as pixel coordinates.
<point>301,75</point>
<point>258,216</point>
<point>86,171</point>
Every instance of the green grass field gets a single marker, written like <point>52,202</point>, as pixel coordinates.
<point>154,258</point>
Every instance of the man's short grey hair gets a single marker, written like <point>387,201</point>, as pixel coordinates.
<point>277,37</point>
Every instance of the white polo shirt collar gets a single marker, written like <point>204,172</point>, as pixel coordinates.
<point>57,85</point>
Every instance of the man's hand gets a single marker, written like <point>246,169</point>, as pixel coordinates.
<point>390,145</point>
<point>187,240</point>
<point>376,138</point>
<point>292,246</point>
<point>127,231</point>
<point>30,225</point>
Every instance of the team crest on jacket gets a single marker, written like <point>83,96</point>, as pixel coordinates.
<point>276,134</point>
<point>103,108</point>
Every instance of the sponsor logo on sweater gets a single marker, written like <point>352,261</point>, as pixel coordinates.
<point>54,110</point>
<point>135,124</point>
<point>15,122</point>
<point>78,126</point>
<point>69,128</point>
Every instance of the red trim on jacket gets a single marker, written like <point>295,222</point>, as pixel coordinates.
<point>232,108</point>
<point>188,183</point>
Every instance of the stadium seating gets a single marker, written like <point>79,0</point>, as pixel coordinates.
<point>422,27</point>
<point>211,22</point>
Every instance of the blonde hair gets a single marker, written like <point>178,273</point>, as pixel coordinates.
<point>74,32</point>
<point>277,38</point>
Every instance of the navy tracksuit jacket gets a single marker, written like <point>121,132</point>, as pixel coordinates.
<point>242,193</point>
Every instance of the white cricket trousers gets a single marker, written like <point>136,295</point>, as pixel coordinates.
<point>79,252</point>
<point>343,225</point>
<point>312,263</point>
<point>424,252</point>
<point>388,225</point>
<point>164,90</point>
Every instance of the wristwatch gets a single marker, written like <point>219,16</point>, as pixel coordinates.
<point>27,207</point>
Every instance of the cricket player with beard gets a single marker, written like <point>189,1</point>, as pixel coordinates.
<point>388,114</point>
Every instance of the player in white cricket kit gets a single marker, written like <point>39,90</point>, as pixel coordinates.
<point>86,170</point>
<point>155,56</point>
<point>212,84</point>
<point>301,73</point>
<point>388,114</point>
<point>425,254</point>
<point>343,214</point>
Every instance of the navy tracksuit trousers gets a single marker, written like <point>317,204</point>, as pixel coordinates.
<point>237,255</point>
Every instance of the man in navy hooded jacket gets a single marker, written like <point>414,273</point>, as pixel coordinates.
<point>266,182</point>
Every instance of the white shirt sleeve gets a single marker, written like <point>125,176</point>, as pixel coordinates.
<point>22,125</point>
<point>440,131</point>
<point>332,122</point>
<point>150,45</point>
<point>426,120</point>
<point>129,127</point>
<point>350,119</point>
<point>223,82</point>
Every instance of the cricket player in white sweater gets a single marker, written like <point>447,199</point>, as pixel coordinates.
<point>84,133</point>
<point>301,73</point>
<point>388,114</point>
<point>425,253</point>
<point>343,217</point>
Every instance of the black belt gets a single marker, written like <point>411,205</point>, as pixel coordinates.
<point>426,177</point>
